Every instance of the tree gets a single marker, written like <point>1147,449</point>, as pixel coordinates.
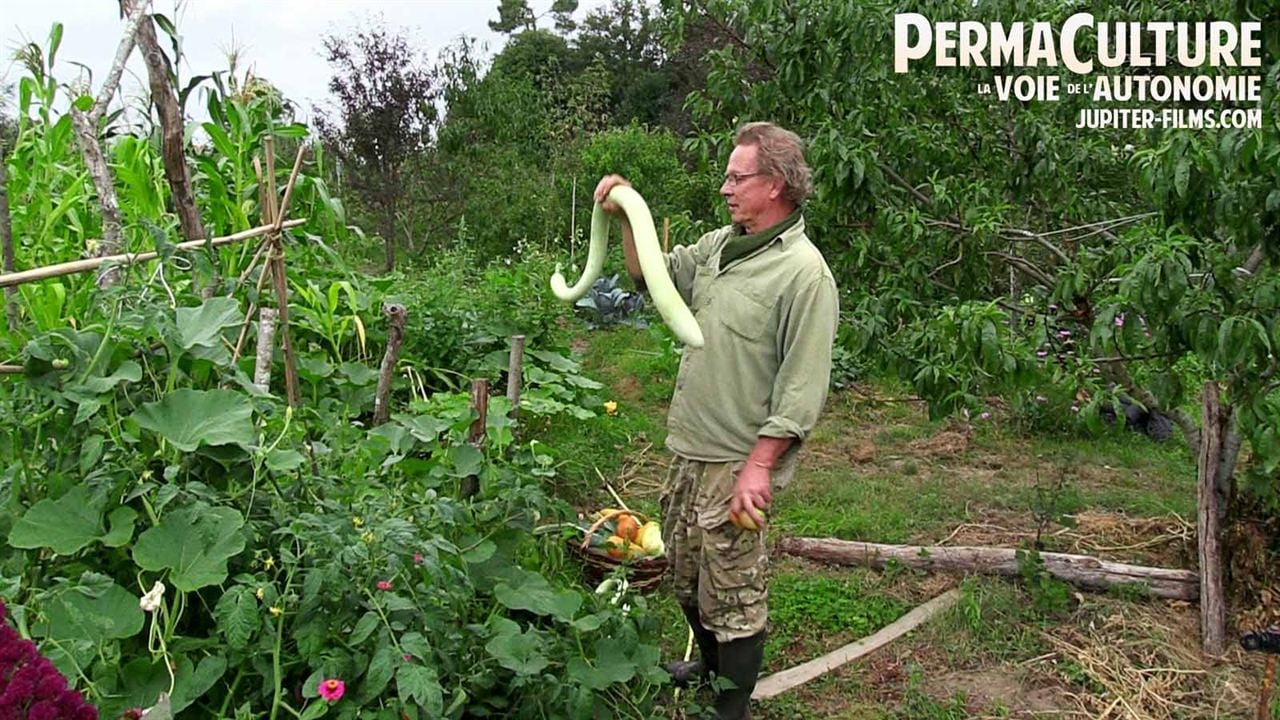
<point>1013,253</point>
<point>385,94</point>
<point>516,15</point>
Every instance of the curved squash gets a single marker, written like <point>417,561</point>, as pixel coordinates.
<point>652,265</point>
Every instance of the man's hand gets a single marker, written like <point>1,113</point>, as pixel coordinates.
<point>752,492</point>
<point>607,183</point>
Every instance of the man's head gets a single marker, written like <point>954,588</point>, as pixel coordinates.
<point>767,177</point>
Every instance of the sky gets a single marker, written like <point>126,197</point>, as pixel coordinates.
<point>280,39</point>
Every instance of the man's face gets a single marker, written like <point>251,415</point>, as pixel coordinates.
<point>747,192</point>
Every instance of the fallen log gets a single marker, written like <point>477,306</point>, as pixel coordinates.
<point>1081,570</point>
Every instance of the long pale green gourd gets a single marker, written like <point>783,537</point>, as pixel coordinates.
<point>652,265</point>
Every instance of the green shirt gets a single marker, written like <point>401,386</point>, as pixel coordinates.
<point>769,321</point>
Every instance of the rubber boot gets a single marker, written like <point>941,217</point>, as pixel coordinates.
<point>687,672</point>
<point>740,662</point>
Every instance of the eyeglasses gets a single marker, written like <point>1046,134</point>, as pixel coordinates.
<point>735,179</point>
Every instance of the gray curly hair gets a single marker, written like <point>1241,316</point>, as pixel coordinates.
<point>781,155</point>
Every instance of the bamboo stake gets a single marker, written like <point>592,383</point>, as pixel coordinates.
<point>279,278</point>
<point>6,246</point>
<point>79,266</point>
<point>288,187</point>
<point>666,234</point>
<point>11,369</point>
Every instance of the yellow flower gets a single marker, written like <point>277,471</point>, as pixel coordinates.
<point>269,563</point>
<point>367,537</point>
<point>611,407</point>
<point>357,521</point>
<point>261,593</point>
<point>275,611</point>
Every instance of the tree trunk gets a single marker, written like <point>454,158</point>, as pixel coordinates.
<point>6,246</point>
<point>1082,570</point>
<point>171,124</point>
<point>1213,608</point>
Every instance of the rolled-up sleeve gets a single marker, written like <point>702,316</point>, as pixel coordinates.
<point>805,337</point>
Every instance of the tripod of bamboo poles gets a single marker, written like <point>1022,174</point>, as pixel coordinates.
<point>271,252</point>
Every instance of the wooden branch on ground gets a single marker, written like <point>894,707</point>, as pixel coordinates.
<point>1081,570</point>
<point>171,124</point>
<point>266,347</point>
<point>386,374</point>
<point>79,266</point>
<point>1213,604</point>
<point>6,246</point>
<point>779,683</point>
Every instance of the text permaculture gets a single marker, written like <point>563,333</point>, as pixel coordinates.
<point>975,44</point>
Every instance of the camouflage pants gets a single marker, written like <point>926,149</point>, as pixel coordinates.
<point>717,565</point>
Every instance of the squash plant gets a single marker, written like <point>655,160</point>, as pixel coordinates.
<point>293,547</point>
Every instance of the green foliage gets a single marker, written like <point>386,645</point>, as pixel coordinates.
<point>1049,595</point>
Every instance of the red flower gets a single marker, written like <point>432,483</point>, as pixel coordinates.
<point>332,689</point>
<point>417,558</point>
<point>385,585</point>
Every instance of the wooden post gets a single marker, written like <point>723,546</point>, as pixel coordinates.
<point>666,234</point>
<point>1213,608</point>
<point>266,344</point>
<point>395,340</point>
<point>480,406</point>
<point>515,374</point>
<point>1264,695</point>
<point>279,277</point>
<point>6,246</point>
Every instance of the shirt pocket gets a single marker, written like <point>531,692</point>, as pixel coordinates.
<point>743,315</point>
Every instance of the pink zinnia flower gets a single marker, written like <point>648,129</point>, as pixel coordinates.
<point>417,558</point>
<point>331,689</point>
<point>1120,320</point>
<point>384,585</point>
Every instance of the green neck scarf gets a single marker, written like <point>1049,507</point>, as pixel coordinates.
<point>742,245</point>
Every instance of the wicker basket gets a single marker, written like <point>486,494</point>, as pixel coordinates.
<point>643,574</point>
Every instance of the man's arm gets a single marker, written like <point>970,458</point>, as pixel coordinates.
<point>799,390</point>
<point>606,184</point>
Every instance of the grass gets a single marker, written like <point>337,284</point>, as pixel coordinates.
<point>877,469</point>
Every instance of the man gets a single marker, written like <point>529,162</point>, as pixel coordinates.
<point>743,403</point>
